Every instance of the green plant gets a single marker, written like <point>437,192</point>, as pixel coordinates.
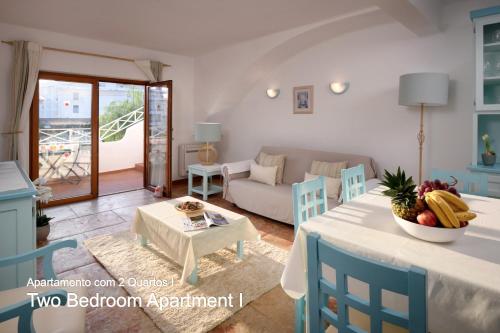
<point>115,110</point>
<point>487,145</point>
<point>41,218</point>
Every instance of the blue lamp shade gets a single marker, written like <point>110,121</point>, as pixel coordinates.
<point>207,132</point>
<point>430,89</point>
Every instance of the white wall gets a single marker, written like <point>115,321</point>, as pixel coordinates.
<point>367,119</point>
<point>181,73</point>
<point>124,153</point>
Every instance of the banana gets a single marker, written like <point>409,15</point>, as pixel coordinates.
<point>465,216</point>
<point>433,205</point>
<point>457,204</point>
<point>447,210</point>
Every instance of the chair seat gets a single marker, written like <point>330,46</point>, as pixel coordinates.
<point>46,319</point>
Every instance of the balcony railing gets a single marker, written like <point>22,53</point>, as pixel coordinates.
<point>121,124</point>
<point>82,135</point>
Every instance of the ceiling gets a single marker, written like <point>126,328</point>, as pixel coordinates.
<point>188,27</point>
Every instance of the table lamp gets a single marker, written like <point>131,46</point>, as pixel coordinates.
<point>207,133</point>
<point>423,89</point>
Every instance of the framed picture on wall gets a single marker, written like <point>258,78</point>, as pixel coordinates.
<point>303,100</point>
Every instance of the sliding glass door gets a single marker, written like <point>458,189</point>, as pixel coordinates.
<point>159,136</point>
<point>94,136</point>
<point>63,140</point>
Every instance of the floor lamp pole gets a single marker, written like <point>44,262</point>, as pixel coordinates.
<point>421,139</point>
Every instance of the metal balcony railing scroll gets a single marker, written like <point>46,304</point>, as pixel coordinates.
<point>82,135</point>
<point>121,124</point>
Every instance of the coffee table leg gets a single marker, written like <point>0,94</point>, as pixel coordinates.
<point>193,278</point>
<point>144,240</point>
<point>190,182</point>
<point>239,249</point>
<point>205,187</point>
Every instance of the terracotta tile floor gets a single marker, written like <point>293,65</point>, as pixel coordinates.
<point>110,182</point>
<point>272,312</point>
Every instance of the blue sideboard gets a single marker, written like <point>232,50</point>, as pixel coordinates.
<point>17,223</point>
<point>486,115</point>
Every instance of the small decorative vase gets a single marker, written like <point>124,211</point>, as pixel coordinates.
<point>42,233</point>
<point>488,159</point>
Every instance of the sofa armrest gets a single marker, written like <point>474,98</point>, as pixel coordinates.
<point>236,167</point>
<point>234,170</point>
<point>24,309</point>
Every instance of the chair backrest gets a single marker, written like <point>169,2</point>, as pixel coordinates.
<point>353,182</point>
<point>379,276</point>
<point>309,200</point>
<point>470,183</point>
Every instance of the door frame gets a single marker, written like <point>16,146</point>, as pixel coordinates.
<point>167,189</point>
<point>34,128</point>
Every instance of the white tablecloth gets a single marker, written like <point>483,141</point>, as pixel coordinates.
<point>162,224</point>
<point>463,277</point>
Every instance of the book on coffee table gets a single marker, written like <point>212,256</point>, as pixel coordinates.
<point>204,221</point>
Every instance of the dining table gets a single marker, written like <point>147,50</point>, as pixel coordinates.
<point>463,277</point>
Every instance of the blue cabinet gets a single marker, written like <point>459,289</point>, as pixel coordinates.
<point>17,223</point>
<point>486,115</point>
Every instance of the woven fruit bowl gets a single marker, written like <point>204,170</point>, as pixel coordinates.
<point>430,234</point>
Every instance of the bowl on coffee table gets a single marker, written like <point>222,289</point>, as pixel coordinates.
<point>190,207</point>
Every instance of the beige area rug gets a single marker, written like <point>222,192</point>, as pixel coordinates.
<point>220,274</point>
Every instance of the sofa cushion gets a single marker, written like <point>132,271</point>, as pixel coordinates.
<point>298,161</point>
<point>271,201</point>
<point>263,174</point>
<point>333,185</point>
<point>273,160</point>
<point>328,169</point>
<point>274,202</point>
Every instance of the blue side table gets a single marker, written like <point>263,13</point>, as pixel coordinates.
<point>206,171</point>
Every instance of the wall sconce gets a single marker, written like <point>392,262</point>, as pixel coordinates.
<point>338,88</point>
<point>272,93</point>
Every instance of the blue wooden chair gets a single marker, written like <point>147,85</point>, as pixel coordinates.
<point>469,183</point>
<point>379,276</point>
<point>309,200</point>
<point>23,309</point>
<point>353,182</point>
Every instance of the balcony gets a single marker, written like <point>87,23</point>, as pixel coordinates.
<point>65,157</point>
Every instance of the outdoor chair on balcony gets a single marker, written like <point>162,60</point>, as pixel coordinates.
<point>80,165</point>
<point>16,311</point>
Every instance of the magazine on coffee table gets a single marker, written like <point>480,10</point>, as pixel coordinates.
<point>204,221</point>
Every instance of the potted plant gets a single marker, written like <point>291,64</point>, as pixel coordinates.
<point>44,194</point>
<point>489,156</point>
<point>42,224</point>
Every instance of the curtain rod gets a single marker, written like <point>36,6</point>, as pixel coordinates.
<point>84,53</point>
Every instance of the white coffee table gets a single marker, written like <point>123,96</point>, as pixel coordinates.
<point>162,224</point>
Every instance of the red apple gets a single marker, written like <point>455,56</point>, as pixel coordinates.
<point>428,218</point>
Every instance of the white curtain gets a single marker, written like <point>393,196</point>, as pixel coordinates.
<point>24,77</point>
<point>152,69</point>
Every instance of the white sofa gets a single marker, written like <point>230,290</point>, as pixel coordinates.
<point>275,202</point>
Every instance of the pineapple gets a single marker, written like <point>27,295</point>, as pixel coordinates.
<point>404,198</point>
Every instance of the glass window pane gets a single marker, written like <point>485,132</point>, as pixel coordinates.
<point>65,137</point>
<point>157,136</point>
<point>121,137</point>
<point>491,63</point>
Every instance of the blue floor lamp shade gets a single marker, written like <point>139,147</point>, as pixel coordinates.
<point>207,133</point>
<point>423,89</point>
